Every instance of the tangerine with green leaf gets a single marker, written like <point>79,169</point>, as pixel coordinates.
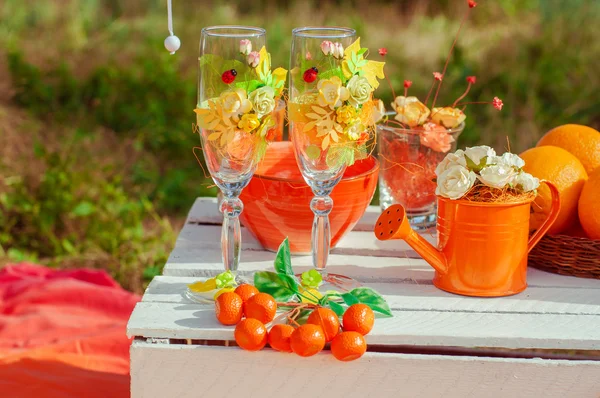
<point>327,319</point>
<point>358,318</point>
<point>261,306</point>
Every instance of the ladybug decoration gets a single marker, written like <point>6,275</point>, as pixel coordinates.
<point>310,75</point>
<point>229,76</point>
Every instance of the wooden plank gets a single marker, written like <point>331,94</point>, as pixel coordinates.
<point>190,261</point>
<point>406,296</point>
<point>205,211</point>
<point>354,243</point>
<point>406,327</point>
<point>193,371</point>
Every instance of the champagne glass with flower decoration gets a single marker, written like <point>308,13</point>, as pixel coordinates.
<point>415,139</point>
<point>237,95</point>
<point>332,116</point>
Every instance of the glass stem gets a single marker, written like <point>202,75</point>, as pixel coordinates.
<point>231,234</point>
<point>321,206</point>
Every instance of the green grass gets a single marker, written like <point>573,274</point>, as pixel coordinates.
<point>96,118</point>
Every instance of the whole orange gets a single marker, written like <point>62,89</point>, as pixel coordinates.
<point>327,319</point>
<point>279,337</point>
<point>229,308</point>
<point>358,318</point>
<point>246,291</point>
<point>307,340</point>
<point>261,306</point>
<point>581,141</point>
<point>348,346</point>
<point>250,334</point>
<point>589,206</point>
<point>567,173</point>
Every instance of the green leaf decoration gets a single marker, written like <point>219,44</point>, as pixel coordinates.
<point>476,167</point>
<point>282,287</point>
<point>328,74</point>
<point>337,308</point>
<point>283,259</point>
<point>370,297</point>
<point>349,299</point>
<point>339,155</point>
<point>249,85</point>
<point>362,51</point>
<point>311,278</point>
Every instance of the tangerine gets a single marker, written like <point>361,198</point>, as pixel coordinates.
<point>307,340</point>
<point>567,173</point>
<point>279,337</point>
<point>261,306</point>
<point>246,291</point>
<point>581,141</point>
<point>348,346</point>
<point>327,319</point>
<point>250,334</point>
<point>358,318</point>
<point>589,206</point>
<point>229,308</point>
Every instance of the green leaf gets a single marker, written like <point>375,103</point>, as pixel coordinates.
<point>349,299</point>
<point>476,167</point>
<point>362,51</point>
<point>249,85</point>
<point>151,272</point>
<point>283,259</point>
<point>337,308</point>
<point>68,246</point>
<point>83,209</point>
<point>328,74</point>
<point>370,297</point>
<point>282,287</point>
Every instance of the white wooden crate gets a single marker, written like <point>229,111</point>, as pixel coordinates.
<point>555,316</point>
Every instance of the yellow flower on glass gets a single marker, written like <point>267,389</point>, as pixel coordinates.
<point>331,92</point>
<point>345,114</point>
<point>249,122</point>
<point>354,131</point>
<point>410,111</point>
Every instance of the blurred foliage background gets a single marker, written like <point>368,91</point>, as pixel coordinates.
<point>96,163</point>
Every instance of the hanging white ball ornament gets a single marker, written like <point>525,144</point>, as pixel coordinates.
<point>172,43</point>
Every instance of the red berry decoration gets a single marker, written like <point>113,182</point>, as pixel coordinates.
<point>229,76</point>
<point>310,75</point>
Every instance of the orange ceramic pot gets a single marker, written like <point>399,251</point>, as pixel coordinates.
<point>277,200</point>
<point>482,247</point>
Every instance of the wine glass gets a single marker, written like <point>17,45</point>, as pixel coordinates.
<point>322,166</point>
<point>237,94</point>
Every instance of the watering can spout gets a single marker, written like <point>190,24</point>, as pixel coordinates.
<point>393,224</point>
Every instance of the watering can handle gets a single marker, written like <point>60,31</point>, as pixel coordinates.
<point>554,210</point>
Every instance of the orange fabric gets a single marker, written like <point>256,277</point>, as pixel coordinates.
<point>62,333</point>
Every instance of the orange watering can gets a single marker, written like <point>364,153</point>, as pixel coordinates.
<point>482,247</point>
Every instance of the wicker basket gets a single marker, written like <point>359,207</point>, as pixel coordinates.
<point>567,255</point>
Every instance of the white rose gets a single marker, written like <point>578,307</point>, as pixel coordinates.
<point>452,159</point>
<point>455,182</point>
<point>497,175</point>
<point>526,182</point>
<point>477,153</point>
<point>262,100</point>
<point>359,90</point>
<point>512,160</point>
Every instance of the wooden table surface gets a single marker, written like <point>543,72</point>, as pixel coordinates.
<point>542,342</point>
